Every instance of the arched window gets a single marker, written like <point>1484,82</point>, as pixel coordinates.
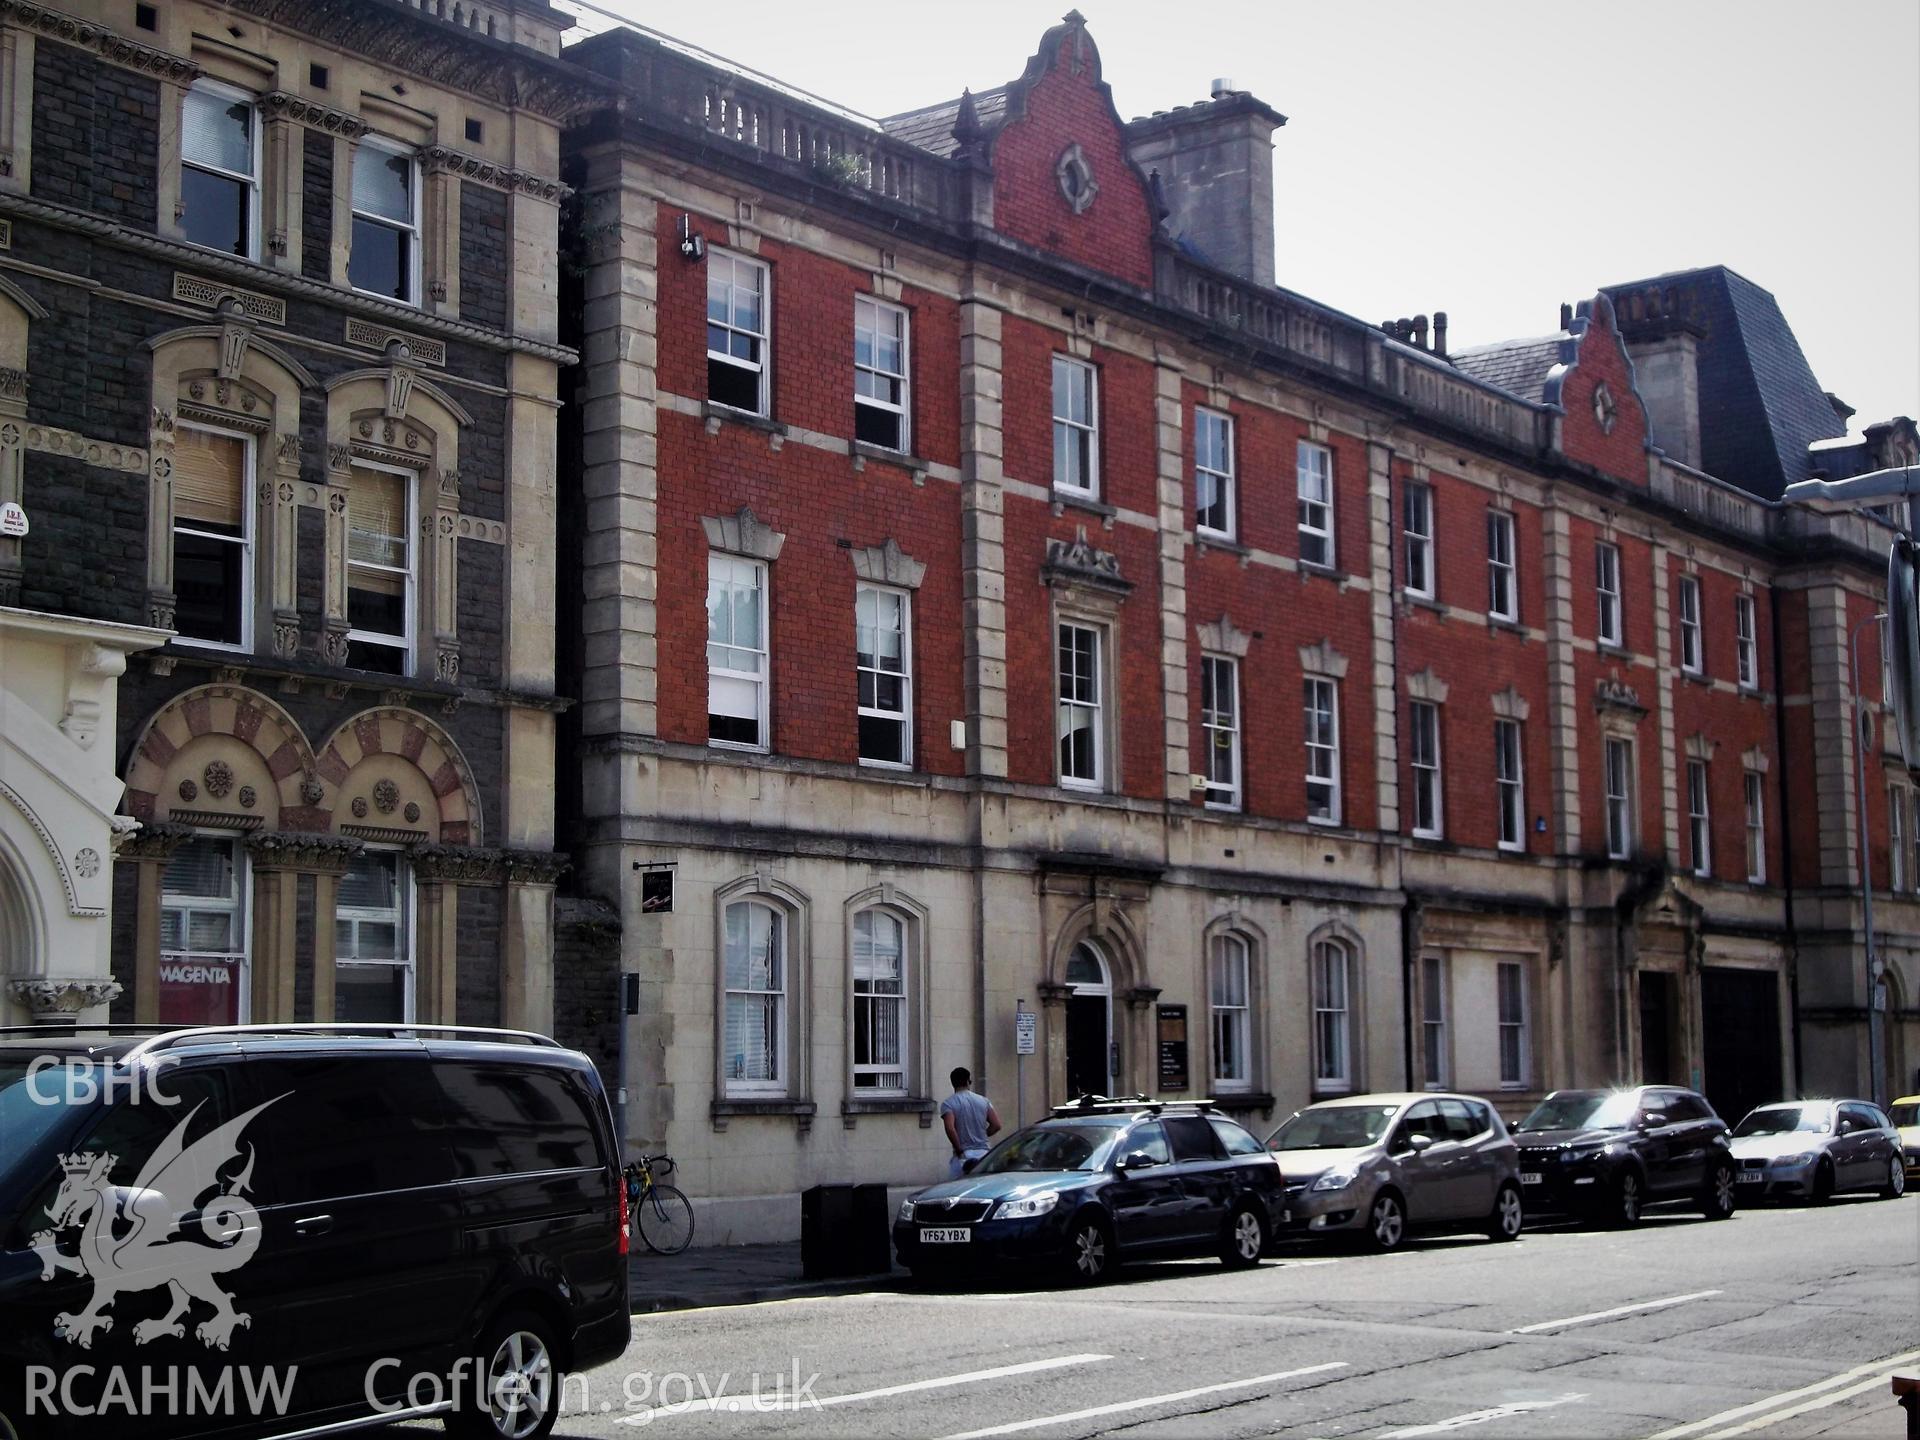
<point>1229,995</point>
<point>1332,1015</point>
<point>754,1059</point>
<point>880,1022</point>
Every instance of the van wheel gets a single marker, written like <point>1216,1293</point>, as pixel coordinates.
<point>516,1392</point>
<point>1246,1237</point>
<point>1508,1214</point>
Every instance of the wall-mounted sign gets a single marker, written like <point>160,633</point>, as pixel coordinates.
<point>1026,1032</point>
<point>1172,1034</point>
<point>13,521</point>
<point>656,892</point>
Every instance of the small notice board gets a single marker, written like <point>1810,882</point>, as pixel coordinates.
<point>1172,1035</point>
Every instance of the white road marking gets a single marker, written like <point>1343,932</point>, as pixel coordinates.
<point>733,1403</point>
<point>1610,1314</point>
<point>1120,1407</point>
<point>1763,1412</point>
<point>1480,1417</point>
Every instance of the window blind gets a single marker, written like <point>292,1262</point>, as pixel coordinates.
<point>209,478</point>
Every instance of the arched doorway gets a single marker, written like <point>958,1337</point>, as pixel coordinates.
<point>1089,1022</point>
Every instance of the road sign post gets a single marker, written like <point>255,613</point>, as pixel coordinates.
<point>1026,1032</point>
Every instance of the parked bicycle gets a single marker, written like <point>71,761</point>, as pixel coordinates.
<point>663,1215</point>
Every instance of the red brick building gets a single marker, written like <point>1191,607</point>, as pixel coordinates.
<point>1277,704</point>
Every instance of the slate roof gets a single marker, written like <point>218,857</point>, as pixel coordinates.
<point>931,128</point>
<point>1760,405</point>
<point>1517,366</point>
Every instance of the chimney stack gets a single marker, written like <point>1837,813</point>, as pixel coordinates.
<point>1215,161</point>
<point>1440,333</point>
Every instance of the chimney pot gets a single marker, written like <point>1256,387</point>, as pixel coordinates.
<point>1440,333</point>
<point>1222,85</point>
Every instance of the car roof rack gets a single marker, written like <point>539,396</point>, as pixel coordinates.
<point>63,1029</point>
<point>178,1036</point>
<point>1127,1105</point>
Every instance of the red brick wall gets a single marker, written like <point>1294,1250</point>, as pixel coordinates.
<point>824,506</point>
<point>1283,611</point>
<point>1476,661</point>
<point>1114,234</point>
<point>1622,452</point>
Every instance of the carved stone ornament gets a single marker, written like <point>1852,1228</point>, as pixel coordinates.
<point>411,814</point>
<point>50,997</point>
<point>1078,562</point>
<point>1223,637</point>
<point>189,791</point>
<point>1323,659</point>
<point>888,564</point>
<point>1611,694</point>
<point>1076,179</point>
<point>249,797</point>
<point>1510,704</point>
<point>1605,412</point>
<point>386,795</point>
<point>743,533</point>
<point>359,807</point>
<point>312,792</point>
<point>219,779</point>
<point>86,863</point>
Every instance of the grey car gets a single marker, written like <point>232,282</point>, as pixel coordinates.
<point>1378,1166</point>
<point>1813,1149</point>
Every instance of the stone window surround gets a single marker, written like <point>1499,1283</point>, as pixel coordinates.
<point>392,418</point>
<point>228,377</point>
<point>915,919</point>
<point>1258,1083</point>
<point>18,311</point>
<point>762,887</point>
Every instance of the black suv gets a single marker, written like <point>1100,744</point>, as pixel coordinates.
<point>1098,1182</point>
<point>1608,1154</point>
<point>257,1230</point>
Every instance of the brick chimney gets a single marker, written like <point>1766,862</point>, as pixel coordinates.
<point>1215,166</point>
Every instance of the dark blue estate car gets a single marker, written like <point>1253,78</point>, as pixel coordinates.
<point>1095,1184</point>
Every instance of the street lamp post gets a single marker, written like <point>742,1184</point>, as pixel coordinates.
<point>1862,735</point>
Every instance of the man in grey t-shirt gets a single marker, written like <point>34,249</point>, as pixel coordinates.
<point>970,1120</point>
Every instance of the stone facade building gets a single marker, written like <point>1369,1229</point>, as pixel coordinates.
<point>1277,705</point>
<point>278,311</point>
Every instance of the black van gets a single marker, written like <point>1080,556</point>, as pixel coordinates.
<point>266,1230</point>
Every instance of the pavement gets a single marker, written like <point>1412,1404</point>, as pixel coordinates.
<point>732,1275</point>
<point>1782,1324</point>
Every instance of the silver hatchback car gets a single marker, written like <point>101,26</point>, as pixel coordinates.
<point>1378,1166</point>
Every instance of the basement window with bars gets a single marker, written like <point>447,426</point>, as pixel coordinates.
<point>880,374</point>
<point>737,316</point>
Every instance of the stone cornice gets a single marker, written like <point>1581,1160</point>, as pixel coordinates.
<point>263,278</point>
<point>299,850</point>
<point>443,159</point>
<point>511,76</point>
<point>484,865</point>
<point>86,35</point>
<point>281,106</point>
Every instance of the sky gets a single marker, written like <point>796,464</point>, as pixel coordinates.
<point>1488,158</point>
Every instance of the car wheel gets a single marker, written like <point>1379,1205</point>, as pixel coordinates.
<point>1509,1215</point>
<point>1627,1197</point>
<point>1386,1222</point>
<point>1246,1237</point>
<point>1718,1201</point>
<point>1896,1185</point>
<point>1090,1258</point>
<point>1822,1189</point>
<point>515,1392</point>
